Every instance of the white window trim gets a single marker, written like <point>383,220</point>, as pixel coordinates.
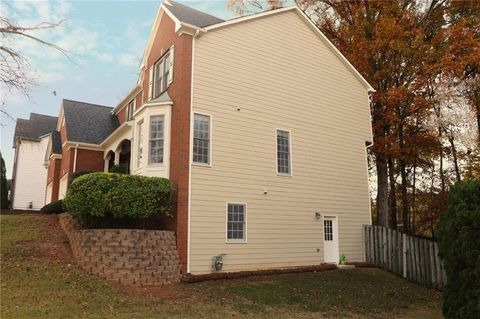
<point>209,165</point>
<point>169,79</point>
<point>245,231</point>
<point>128,109</point>
<point>290,174</point>
<point>164,142</point>
<point>140,126</point>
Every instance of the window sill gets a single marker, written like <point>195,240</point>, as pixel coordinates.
<point>284,175</point>
<point>236,241</point>
<point>156,165</point>
<point>202,165</point>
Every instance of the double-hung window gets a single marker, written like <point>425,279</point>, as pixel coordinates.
<point>201,139</point>
<point>130,110</point>
<point>157,125</point>
<point>162,74</point>
<point>140,144</point>
<point>236,222</point>
<point>283,152</point>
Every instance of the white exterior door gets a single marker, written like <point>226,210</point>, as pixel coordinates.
<point>62,189</point>
<point>48,195</point>
<point>330,239</point>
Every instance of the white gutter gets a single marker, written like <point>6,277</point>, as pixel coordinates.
<point>75,159</point>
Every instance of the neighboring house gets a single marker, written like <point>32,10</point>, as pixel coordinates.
<point>28,175</point>
<point>261,124</point>
<point>75,144</point>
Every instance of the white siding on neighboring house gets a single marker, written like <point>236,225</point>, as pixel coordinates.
<point>62,188</point>
<point>30,175</point>
<point>254,78</point>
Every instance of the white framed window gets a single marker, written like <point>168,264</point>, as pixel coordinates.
<point>130,110</point>
<point>162,73</point>
<point>201,139</point>
<point>140,143</point>
<point>328,229</point>
<point>156,139</point>
<point>283,153</point>
<point>236,222</point>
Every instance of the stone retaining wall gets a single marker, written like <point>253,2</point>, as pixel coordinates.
<point>128,256</point>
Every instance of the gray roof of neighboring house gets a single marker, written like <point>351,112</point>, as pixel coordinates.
<point>56,143</point>
<point>35,127</point>
<point>190,15</point>
<point>88,123</point>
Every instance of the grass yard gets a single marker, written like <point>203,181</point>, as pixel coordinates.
<point>39,279</point>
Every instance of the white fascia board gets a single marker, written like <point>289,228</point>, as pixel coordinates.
<point>130,95</point>
<point>87,146</point>
<point>335,50</point>
<point>248,18</point>
<point>116,132</point>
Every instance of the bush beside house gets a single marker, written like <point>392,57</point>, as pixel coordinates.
<point>459,246</point>
<point>56,207</point>
<point>108,200</point>
<point>3,184</point>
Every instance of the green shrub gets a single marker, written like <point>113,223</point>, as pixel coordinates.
<point>57,207</point>
<point>459,247</point>
<point>81,173</point>
<point>120,168</point>
<point>112,195</point>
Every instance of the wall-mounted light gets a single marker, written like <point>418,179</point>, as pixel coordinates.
<point>318,215</point>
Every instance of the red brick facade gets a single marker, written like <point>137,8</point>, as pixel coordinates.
<point>89,160</point>
<point>53,176</point>
<point>179,91</point>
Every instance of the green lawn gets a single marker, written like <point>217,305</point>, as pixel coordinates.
<point>38,283</point>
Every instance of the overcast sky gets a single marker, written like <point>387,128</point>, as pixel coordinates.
<point>106,39</point>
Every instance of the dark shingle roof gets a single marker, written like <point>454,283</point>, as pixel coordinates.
<point>88,123</point>
<point>190,15</point>
<point>56,142</point>
<point>35,127</point>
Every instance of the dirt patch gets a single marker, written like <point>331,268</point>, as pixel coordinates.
<point>55,246</point>
<point>167,293</point>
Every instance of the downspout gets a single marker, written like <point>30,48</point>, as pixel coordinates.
<point>75,159</point>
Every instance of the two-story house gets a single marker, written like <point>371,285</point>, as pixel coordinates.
<point>29,176</point>
<point>260,122</point>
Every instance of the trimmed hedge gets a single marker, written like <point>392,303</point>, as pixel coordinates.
<point>459,247</point>
<point>116,196</point>
<point>120,168</point>
<point>75,175</point>
<point>57,207</point>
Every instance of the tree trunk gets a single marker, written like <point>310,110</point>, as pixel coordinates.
<point>440,150</point>
<point>455,159</point>
<point>382,191</point>
<point>405,206</point>
<point>414,193</point>
<point>393,194</point>
<point>477,109</point>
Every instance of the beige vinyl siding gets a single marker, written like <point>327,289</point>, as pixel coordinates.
<point>280,75</point>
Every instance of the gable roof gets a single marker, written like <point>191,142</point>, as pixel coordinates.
<point>203,23</point>
<point>191,16</point>
<point>88,123</point>
<point>35,127</point>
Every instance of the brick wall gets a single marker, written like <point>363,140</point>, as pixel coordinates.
<point>129,256</point>
<point>89,160</point>
<point>53,176</point>
<point>179,91</point>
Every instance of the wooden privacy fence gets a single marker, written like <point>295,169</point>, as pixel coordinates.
<point>411,257</point>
